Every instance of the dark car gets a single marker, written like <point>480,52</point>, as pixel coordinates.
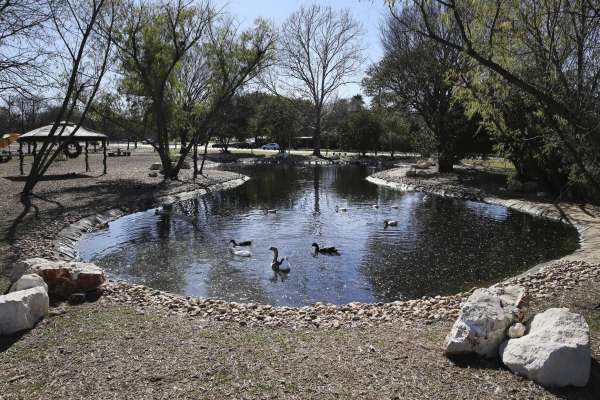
<point>218,146</point>
<point>241,145</point>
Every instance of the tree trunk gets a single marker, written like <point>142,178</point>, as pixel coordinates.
<point>204,156</point>
<point>317,136</point>
<point>445,163</point>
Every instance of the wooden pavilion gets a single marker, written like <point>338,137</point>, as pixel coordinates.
<point>42,135</point>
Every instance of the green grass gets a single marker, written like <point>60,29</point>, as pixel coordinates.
<point>498,164</point>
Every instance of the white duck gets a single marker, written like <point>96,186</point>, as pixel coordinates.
<point>239,252</point>
<point>342,209</point>
<point>387,223</point>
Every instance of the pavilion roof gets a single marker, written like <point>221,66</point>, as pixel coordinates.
<point>43,134</point>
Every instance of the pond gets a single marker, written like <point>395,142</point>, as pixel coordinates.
<point>440,245</point>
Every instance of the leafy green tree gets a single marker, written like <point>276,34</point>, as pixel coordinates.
<point>415,76</point>
<point>187,63</point>
<point>233,121</point>
<point>547,50</point>
<point>396,135</point>
<point>152,41</point>
<point>362,131</point>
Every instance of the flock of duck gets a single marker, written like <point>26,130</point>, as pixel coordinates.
<point>283,265</point>
<point>278,265</point>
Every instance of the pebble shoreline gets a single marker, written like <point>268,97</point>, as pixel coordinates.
<point>545,283</point>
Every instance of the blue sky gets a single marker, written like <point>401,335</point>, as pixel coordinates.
<point>369,13</point>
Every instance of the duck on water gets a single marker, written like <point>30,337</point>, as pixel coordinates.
<point>332,251</point>
<point>276,264</point>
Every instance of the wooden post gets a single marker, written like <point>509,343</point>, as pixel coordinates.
<point>87,162</point>
<point>34,148</point>
<point>28,147</point>
<point>104,158</point>
<point>127,144</point>
<point>21,157</point>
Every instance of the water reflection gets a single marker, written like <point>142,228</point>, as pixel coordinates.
<point>439,246</point>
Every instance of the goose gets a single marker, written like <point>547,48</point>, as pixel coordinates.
<point>239,253</point>
<point>243,243</point>
<point>342,209</point>
<point>375,206</point>
<point>425,198</point>
<point>387,222</point>
<point>326,250</point>
<point>276,264</point>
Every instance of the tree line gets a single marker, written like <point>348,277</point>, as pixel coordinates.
<point>458,77</point>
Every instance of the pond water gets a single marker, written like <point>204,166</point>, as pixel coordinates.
<point>440,246</point>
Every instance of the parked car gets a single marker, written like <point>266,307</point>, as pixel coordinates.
<point>270,146</point>
<point>241,145</point>
<point>218,146</point>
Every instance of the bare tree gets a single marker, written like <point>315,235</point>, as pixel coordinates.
<point>214,71</point>
<point>83,31</point>
<point>23,25</point>
<point>319,51</point>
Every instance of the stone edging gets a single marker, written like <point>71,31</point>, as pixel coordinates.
<point>543,283</point>
<point>588,226</point>
<point>66,240</point>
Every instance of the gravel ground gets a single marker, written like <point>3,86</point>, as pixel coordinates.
<point>69,194</point>
<point>101,350</point>
<point>139,343</point>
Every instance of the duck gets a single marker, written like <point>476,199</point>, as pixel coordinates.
<point>387,222</point>
<point>375,206</point>
<point>326,250</point>
<point>238,252</point>
<point>342,209</point>
<point>395,207</point>
<point>268,211</point>
<point>242,243</point>
<point>276,265</point>
<point>426,198</point>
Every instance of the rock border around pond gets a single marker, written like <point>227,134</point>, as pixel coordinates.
<point>587,225</point>
<point>65,244</point>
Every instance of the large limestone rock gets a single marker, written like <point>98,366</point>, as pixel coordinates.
<point>555,353</point>
<point>64,278</point>
<point>88,276</point>
<point>22,309</point>
<point>27,282</point>
<point>483,321</point>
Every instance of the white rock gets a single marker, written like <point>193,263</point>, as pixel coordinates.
<point>22,309</point>
<point>27,282</point>
<point>483,321</point>
<point>516,330</point>
<point>555,353</point>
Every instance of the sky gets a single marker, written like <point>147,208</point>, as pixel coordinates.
<point>369,13</point>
